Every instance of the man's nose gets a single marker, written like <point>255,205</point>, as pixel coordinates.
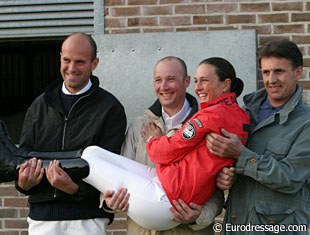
<point>164,85</point>
<point>272,77</point>
<point>72,66</point>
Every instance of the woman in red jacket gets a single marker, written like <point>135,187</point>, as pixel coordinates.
<point>185,167</point>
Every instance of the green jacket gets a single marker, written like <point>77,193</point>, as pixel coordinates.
<point>273,172</point>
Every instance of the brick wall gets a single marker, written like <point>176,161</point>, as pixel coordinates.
<point>270,19</point>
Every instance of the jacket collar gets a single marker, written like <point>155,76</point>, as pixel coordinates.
<point>227,99</point>
<point>52,92</point>
<point>156,107</point>
<point>253,101</point>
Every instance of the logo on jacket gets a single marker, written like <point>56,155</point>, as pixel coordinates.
<point>189,131</point>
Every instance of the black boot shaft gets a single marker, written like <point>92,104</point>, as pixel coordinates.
<point>11,157</point>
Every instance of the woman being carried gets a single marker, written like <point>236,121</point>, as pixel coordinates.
<point>185,168</point>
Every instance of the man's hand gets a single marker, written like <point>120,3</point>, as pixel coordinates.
<point>225,178</point>
<point>117,201</point>
<point>150,129</point>
<point>59,179</point>
<point>228,145</point>
<point>185,213</point>
<point>30,174</point>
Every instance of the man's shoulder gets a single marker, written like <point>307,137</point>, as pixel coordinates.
<point>138,122</point>
<point>107,96</point>
<point>39,100</point>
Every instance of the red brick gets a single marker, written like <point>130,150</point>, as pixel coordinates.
<point>23,212</point>
<point>190,9</point>
<point>9,233</point>
<point>301,39</point>
<point>296,28</point>
<point>125,11</point>
<point>306,62</point>
<point>287,6</point>
<point>8,213</point>
<point>223,7</point>
<point>260,29</point>
<point>254,7</point>
<point>273,18</point>
<point>212,19</point>
<point>175,20</point>
<point>115,23</point>
<point>173,1</point>
<point>305,84</point>
<point>114,2</point>
<point>152,21</point>
<point>9,190</point>
<point>16,202</point>
<point>157,10</point>
<point>15,223</point>
<point>241,19</point>
<point>141,2</point>
<point>301,17</point>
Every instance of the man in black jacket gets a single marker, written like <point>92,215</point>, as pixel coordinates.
<point>72,114</point>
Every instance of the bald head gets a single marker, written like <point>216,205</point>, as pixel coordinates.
<point>82,39</point>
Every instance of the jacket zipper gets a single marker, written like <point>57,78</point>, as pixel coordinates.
<point>66,121</point>
<point>64,131</point>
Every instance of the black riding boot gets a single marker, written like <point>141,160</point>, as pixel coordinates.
<point>11,157</point>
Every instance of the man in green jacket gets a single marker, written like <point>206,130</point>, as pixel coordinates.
<point>271,192</point>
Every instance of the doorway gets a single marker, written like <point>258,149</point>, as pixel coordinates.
<point>26,69</point>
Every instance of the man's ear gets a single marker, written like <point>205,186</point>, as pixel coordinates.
<point>187,81</point>
<point>95,63</point>
<point>299,73</point>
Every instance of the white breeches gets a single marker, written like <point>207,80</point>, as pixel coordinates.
<point>148,204</point>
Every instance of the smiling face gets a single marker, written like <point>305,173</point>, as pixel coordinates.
<point>77,62</point>
<point>207,83</point>
<point>280,79</point>
<point>170,84</point>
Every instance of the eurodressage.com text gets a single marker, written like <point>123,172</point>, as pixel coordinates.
<point>274,228</point>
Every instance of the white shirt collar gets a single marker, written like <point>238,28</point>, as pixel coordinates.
<point>83,90</point>
<point>178,118</point>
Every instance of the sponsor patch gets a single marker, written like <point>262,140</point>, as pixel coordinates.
<point>198,122</point>
<point>189,131</point>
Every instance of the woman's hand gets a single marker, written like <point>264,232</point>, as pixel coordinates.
<point>150,130</point>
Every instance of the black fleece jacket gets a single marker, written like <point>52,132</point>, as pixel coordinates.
<point>97,118</point>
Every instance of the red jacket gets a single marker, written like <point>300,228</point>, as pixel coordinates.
<point>185,166</point>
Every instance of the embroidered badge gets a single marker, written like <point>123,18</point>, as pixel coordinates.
<point>189,131</point>
<point>198,122</point>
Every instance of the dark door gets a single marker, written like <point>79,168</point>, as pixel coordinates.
<point>26,68</point>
